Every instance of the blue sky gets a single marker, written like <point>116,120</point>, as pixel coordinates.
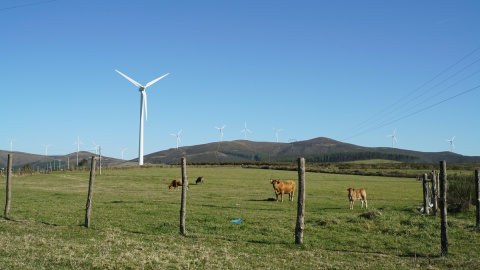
<point>353,71</point>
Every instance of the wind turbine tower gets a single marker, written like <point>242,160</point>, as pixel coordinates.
<point>221,131</point>
<point>78,142</point>
<point>46,147</point>
<point>96,147</point>
<point>245,130</point>
<point>276,132</point>
<point>123,149</point>
<point>178,137</point>
<point>143,108</point>
<point>11,142</point>
<point>451,143</point>
<point>393,138</point>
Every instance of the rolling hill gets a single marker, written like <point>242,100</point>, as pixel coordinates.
<point>19,159</point>
<point>315,150</point>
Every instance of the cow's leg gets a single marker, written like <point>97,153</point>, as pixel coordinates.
<point>277,197</point>
<point>351,204</point>
<point>362,203</point>
<point>366,206</point>
<point>282,196</point>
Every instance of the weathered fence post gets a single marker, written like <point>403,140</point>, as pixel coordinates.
<point>425,194</point>
<point>434,193</point>
<point>88,210</point>
<point>301,202</point>
<point>183,204</point>
<point>443,208</point>
<point>477,194</point>
<point>8,187</point>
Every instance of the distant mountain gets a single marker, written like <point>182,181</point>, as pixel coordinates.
<point>19,159</point>
<point>315,150</point>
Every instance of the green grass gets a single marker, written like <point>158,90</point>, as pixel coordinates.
<point>135,223</point>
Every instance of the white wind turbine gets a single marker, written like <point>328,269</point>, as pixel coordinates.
<point>276,132</point>
<point>11,142</point>
<point>46,147</point>
<point>96,147</point>
<point>143,104</point>
<point>122,149</point>
<point>245,130</point>
<point>78,142</point>
<point>178,137</point>
<point>393,138</point>
<point>451,143</point>
<point>221,131</point>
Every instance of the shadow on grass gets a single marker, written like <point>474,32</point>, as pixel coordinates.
<point>264,200</point>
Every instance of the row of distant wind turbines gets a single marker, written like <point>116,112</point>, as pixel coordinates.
<point>394,139</point>
<point>143,110</point>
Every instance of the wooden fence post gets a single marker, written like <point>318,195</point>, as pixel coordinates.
<point>88,210</point>
<point>443,208</point>
<point>477,194</point>
<point>425,194</point>
<point>301,202</point>
<point>8,187</point>
<point>183,204</point>
<point>434,192</point>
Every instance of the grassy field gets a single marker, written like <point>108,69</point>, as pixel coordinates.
<point>135,223</point>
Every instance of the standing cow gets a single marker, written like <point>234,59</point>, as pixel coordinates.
<point>357,194</point>
<point>283,187</point>
<point>199,180</point>
<point>175,183</point>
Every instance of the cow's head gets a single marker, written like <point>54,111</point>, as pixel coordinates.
<point>350,191</point>
<point>274,182</point>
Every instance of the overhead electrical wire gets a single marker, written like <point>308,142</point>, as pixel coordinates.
<point>369,124</point>
<point>27,5</point>
<point>418,111</point>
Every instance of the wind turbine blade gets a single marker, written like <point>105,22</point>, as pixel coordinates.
<point>144,93</point>
<point>224,126</point>
<point>180,131</point>
<point>131,80</point>
<point>156,80</point>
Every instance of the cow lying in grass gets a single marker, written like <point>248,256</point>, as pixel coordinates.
<point>199,180</point>
<point>283,187</point>
<point>175,183</point>
<point>357,194</point>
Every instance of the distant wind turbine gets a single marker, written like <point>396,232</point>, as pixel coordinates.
<point>221,131</point>
<point>96,147</point>
<point>46,147</point>
<point>78,142</point>
<point>143,104</point>
<point>245,130</point>
<point>393,138</point>
<point>451,143</point>
<point>276,132</point>
<point>178,137</point>
<point>123,149</point>
<point>11,142</point>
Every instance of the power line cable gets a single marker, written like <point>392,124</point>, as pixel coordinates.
<point>418,111</point>
<point>375,117</point>
<point>27,5</point>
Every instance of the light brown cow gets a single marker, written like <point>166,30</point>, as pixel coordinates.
<point>283,187</point>
<point>175,183</point>
<point>357,194</point>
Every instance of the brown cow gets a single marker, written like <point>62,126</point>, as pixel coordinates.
<point>357,194</point>
<point>199,180</point>
<point>282,187</point>
<point>175,183</point>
